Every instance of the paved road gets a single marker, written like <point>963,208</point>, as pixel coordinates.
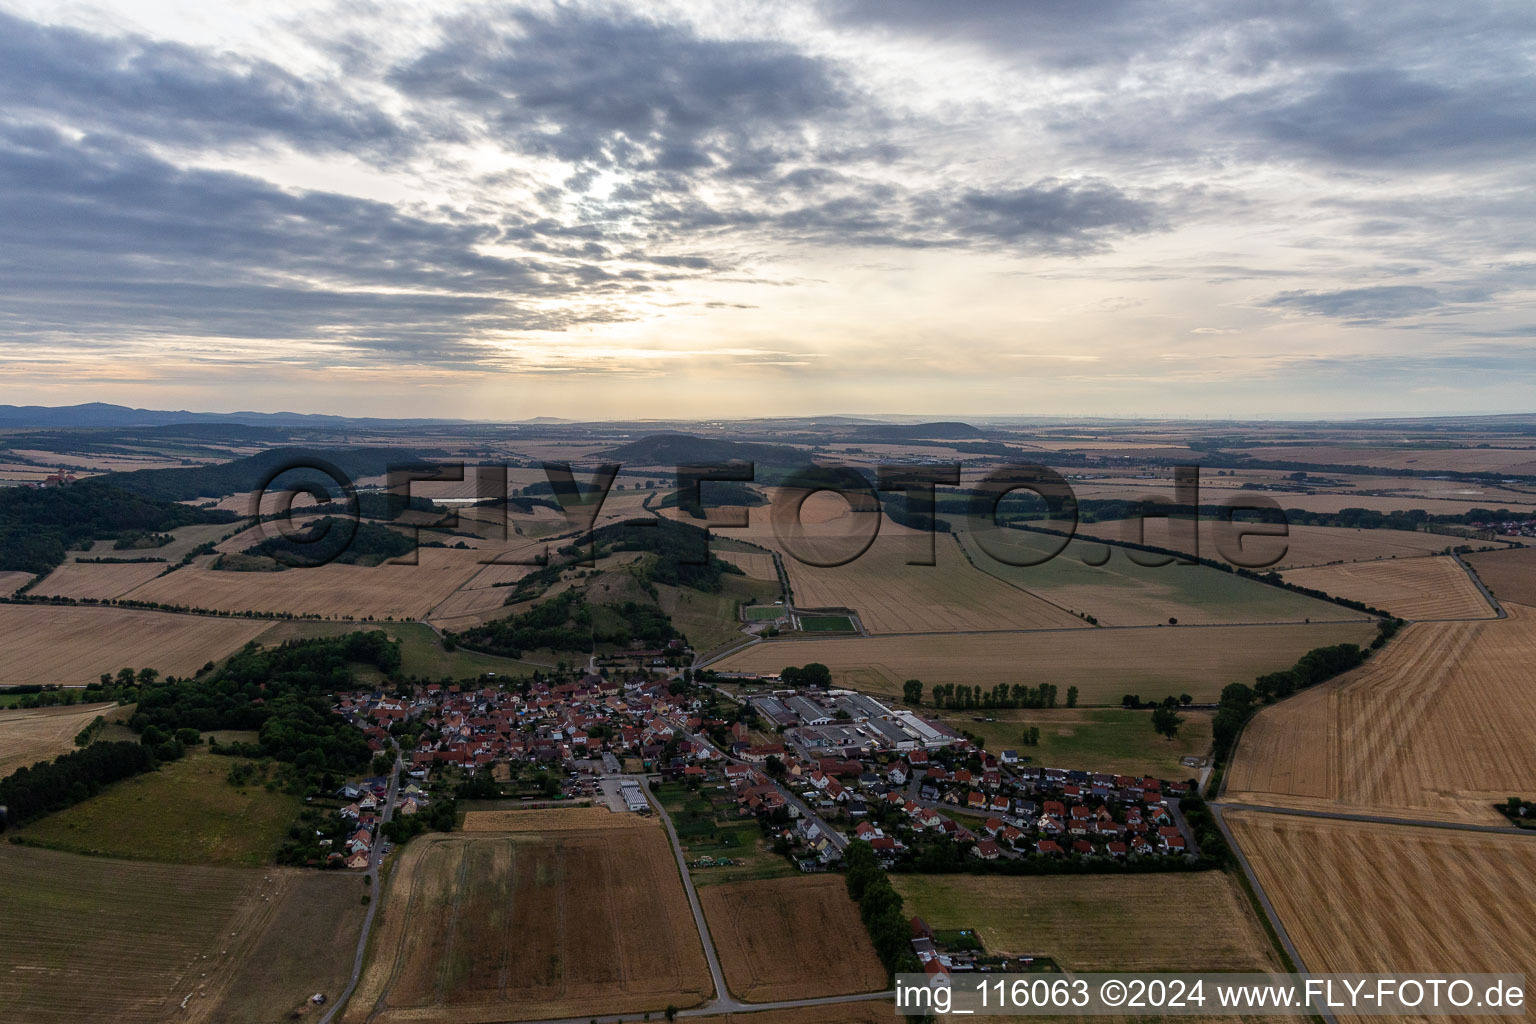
<point>1379,819</point>
<point>705,1011</point>
<point>1258,889</point>
<point>722,1001</point>
<point>375,858</point>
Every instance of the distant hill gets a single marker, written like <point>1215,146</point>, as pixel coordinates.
<point>38,524</point>
<point>948,430</point>
<point>247,474</point>
<point>101,414</point>
<point>686,449</point>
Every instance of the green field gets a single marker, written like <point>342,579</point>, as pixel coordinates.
<point>825,623</point>
<point>1122,593</point>
<point>764,613</point>
<point>186,812</point>
<point>1093,739</point>
<point>708,826</point>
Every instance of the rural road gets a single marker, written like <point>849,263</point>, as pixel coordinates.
<point>711,1011</point>
<point>722,1001</point>
<point>1460,826</point>
<point>1258,890</point>
<point>375,858</point>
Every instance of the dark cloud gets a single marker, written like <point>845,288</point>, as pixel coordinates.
<point>1379,302</point>
<point>621,91</point>
<point>167,92</point>
<point>1387,116</point>
<point>99,237</point>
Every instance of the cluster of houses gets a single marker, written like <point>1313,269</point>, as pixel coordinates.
<point>481,726</point>
<point>1511,527</point>
<point>846,768</point>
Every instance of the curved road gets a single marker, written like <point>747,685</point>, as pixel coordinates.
<point>375,858</point>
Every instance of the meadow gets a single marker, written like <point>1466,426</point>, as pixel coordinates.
<point>184,812</point>
<point>1197,921</point>
<point>1101,739</point>
<point>1121,593</point>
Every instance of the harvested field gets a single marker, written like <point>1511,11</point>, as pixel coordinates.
<point>1513,461</point>
<point>1410,588</point>
<point>1510,575</point>
<point>12,579</point>
<point>61,644</point>
<point>491,926</point>
<point>757,564</point>
<point>1358,896</point>
<point>1100,922</point>
<point>341,591</point>
<point>307,947</point>
<point>41,734</point>
<point>791,938</point>
<point>1104,664</point>
<point>1304,545</point>
<point>97,579</point>
<point>1437,726</point>
<point>558,819</point>
<point>95,939</point>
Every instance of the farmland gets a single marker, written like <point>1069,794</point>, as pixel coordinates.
<point>1104,739</point>
<point>1104,664</point>
<point>1410,588</point>
<point>485,926</point>
<point>338,591</point>
<point>894,597</point>
<point>184,812</point>
<point>97,939</point>
<point>54,644</point>
<point>1510,575</point>
<point>41,734</point>
<point>1418,899</point>
<point>1436,726</point>
<point>791,938</point>
<point>1100,922</point>
<point>1302,545</point>
<point>890,595</point>
<point>1121,593</point>
<point>97,579</point>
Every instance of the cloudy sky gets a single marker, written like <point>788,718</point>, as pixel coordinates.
<point>1059,207</point>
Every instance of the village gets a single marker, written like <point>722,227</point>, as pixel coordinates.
<point>817,768</point>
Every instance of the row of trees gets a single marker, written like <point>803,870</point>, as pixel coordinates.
<point>1239,701</point>
<point>880,908</point>
<point>1003,695</point>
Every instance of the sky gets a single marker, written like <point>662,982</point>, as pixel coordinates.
<point>1052,207</point>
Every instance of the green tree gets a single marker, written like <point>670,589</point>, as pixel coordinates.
<point>912,692</point>
<point>1167,721</point>
<point>1071,696</point>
